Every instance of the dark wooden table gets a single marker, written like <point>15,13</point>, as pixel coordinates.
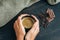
<point>52,32</point>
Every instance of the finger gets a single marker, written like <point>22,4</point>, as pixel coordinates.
<point>16,27</point>
<point>20,25</point>
<point>23,15</point>
<point>20,17</point>
<point>31,32</point>
<point>35,18</point>
<point>34,27</point>
<point>36,23</point>
<point>37,28</point>
<point>36,31</point>
<point>19,21</point>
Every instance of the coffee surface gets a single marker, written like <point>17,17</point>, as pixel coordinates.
<point>27,22</point>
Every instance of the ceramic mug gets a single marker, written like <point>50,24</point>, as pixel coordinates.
<point>53,2</point>
<point>28,22</point>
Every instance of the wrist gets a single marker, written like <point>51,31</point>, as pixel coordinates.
<point>20,38</point>
<point>28,39</point>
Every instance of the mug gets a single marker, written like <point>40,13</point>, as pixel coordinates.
<point>53,2</point>
<point>28,22</point>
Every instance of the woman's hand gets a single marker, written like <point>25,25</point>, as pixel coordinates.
<point>19,29</point>
<point>34,30</point>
